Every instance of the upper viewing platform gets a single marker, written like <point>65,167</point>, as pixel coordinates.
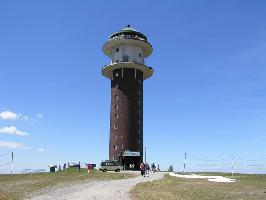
<point>127,36</point>
<point>128,33</point>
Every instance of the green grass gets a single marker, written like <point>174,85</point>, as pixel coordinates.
<point>17,186</point>
<point>247,187</point>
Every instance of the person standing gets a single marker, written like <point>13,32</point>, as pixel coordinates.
<point>142,169</point>
<point>153,167</point>
<point>147,169</point>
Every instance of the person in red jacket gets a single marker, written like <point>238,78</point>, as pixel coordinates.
<point>142,169</point>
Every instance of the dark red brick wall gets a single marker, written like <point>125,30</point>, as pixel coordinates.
<point>129,133</point>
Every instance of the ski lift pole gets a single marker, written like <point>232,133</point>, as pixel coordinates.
<point>184,167</point>
<point>232,165</point>
<point>12,162</point>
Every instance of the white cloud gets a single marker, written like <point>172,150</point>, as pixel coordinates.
<point>12,130</point>
<point>8,115</point>
<point>12,145</point>
<point>39,115</point>
<point>26,117</point>
<point>40,149</point>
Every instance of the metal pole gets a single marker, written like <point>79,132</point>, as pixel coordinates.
<point>232,165</point>
<point>145,154</point>
<point>185,163</point>
<point>12,162</point>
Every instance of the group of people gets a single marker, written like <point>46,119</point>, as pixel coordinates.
<point>145,169</point>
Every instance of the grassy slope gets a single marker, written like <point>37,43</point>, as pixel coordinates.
<point>16,186</point>
<point>247,187</point>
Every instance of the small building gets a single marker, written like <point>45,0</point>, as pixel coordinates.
<point>52,168</point>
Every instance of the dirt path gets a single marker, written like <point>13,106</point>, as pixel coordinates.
<point>95,190</point>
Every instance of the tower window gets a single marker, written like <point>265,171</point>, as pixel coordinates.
<point>115,126</point>
<point>117,50</point>
<point>116,97</point>
<point>116,116</point>
<point>125,58</point>
<point>140,55</point>
<point>116,106</point>
<point>115,147</point>
<point>116,86</point>
<point>116,136</point>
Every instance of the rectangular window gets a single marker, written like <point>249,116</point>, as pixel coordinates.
<point>117,61</point>
<point>116,97</point>
<point>117,50</point>
<point>115,125</point>
<point>115,147</point>
<point>116,106</point>
<point>125,58</point>
<point>116,116</point>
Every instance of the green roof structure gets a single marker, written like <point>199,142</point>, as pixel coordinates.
<point>128,31</point>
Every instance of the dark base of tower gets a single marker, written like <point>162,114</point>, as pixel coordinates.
<point>130,163</point>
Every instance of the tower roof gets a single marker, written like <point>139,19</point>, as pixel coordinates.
<point>128,31</point>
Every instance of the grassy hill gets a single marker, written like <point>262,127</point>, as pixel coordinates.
<point>17,186</point>
<point>247,187</point>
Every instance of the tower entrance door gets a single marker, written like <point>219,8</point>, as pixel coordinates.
<point>131,160</point>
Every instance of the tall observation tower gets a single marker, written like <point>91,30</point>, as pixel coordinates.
<point>127,49</point>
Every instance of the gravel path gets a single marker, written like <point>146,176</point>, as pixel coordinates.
<point>95,190</point>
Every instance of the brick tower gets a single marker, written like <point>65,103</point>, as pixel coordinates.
<point>127,49</point>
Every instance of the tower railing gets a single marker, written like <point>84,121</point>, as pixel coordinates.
<point>121,37</point>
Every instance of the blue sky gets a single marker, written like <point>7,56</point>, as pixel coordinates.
<point>207,96</point>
